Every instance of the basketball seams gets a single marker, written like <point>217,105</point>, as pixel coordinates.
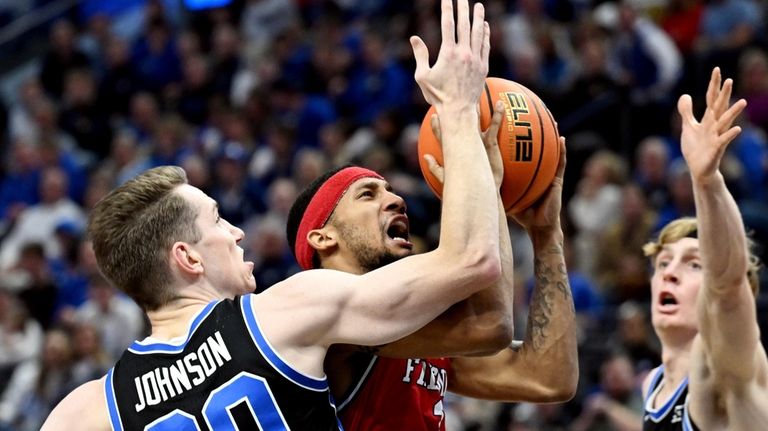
<point>521,184</point>
<point>532,98</point>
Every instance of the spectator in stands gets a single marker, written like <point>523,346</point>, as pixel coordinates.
<point>617,404</point>
<point>620,266</point>
<point>91,361</point>
<point>646,62</point>
<point>306,114</point>
<point>70,162</point>
<point>120,321</point>
<point>126,159</point>
<point>238,198</point>
<point>596,204</point>
<point>66,271</point>
<point>680,202</point>
<point>727,27</point>
<point>62,57</point>
<point>37,385</point>
<point>195,91</point>
<point>753,85</point>
<point>268,248</point>
<point>120,81</point>
<point>37,290</point>
<point>21,113</point>
<point>225,59</point>
<point>681,21</point>
<point>19,184</point>
<point>170,141</point>
<point>309,164</point>
<point>377,83</point>
<point>156,58</point>
<point>37,223</point>
<point>82,116</point>
<point>47,128</point>
<point>21,337</point>
<point>652,161</point>
<point>144,117</point>
<point>263,20</point>
<point>634,335</point>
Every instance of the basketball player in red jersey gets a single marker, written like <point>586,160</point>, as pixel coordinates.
<point>714,374</point>
<point>400,386</point>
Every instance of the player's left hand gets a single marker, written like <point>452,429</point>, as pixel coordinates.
<point>490,140</point>
<point>544,214</point>
<point>704,143</point>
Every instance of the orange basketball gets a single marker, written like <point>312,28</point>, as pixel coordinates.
<point>528,141</point>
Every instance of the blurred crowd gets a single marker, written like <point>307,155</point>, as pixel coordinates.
<point>258,97</point>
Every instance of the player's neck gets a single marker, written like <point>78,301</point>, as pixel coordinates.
<point>676,340</point>
<point>339,263</point>
<point>173,320</point>
<point>676,360</point>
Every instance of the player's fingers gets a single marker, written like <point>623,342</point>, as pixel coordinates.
<point>434,167</point>
<point>729,135</point>
<point>486,49</point>
<point>493,128</point>
<point>721,104</point>
<point>725,120</point>
<point>462,22</point>
<point>421,55</point>
<point>447,24</point>
<point>713,88</point>
<point>478,29</point>
<point>563,159</point>
<point>434,123</point>
<point>685,108</point>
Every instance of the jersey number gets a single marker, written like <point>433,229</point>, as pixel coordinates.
<point>243,403</point>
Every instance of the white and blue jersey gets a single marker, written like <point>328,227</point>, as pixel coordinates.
<point>673,415</point>
<point>223,375</point>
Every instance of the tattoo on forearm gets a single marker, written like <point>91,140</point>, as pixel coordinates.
<point>551,280</point>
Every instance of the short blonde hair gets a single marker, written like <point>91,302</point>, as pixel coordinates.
<point>684,227</point>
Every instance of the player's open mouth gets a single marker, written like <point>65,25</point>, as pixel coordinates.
<point>398,231</point>
<point>667,302</point>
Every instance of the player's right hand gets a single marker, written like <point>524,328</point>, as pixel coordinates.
<point>544,214</point>
<point>457,77</point>
<point>704,143</point>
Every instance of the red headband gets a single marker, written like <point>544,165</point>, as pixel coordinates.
<point>322,205</point>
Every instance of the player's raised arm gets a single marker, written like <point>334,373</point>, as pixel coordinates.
<point>483,323</point>
<point>726,304</point>
<point>545,367</point>
<point>395,300</point>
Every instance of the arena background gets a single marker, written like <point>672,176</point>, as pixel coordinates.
<point>256,98</point>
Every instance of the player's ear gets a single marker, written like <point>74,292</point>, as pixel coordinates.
<point>323,238</point>
<point>186,258</point>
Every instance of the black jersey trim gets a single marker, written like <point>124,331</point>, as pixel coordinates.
<point>109,392</point>
<point>142,349</point>
<point>274,359</point>
<point>351,396</point>
<point>656,415</point>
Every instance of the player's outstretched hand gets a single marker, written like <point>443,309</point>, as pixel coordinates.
<point>457,77</point>
<point>704,143</point>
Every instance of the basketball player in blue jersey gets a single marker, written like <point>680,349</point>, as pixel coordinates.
<point>714,374</point>
<point>220,358</point>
